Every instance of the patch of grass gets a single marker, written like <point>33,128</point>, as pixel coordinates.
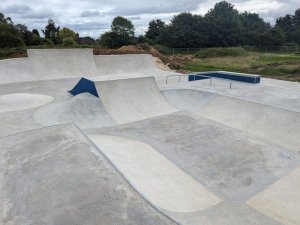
<point>277,58</point>
<point>221,52</point>
<point>286,67</point>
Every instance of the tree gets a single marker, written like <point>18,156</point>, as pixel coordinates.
<point>273,37</point>
<point>252,28</point>
<point>8,40</point>
<point>224,26</point>
<point>107,40</point>
<point>10,35</point>
<point>51,32</point>
<point>36,32</point>
<point>26,35</point>
<point>155,28</point>
<point>285,23</point>
<point>121,33</point>
<point>5,20</point>
<point>122,27</point>
<point>67,33</point>
<point>185,30</point>
<point>290,25</point>
<point>69,42</point>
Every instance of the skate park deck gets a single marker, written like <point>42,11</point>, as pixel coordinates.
<point>143,151</point>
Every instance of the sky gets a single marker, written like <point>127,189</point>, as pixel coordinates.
<point>93,17</point>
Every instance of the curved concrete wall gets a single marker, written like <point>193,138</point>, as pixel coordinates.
<point>133,99</point>
<point>56,63</point>
<point>43,64</point>
<point>15,70</point>
<point>273,124</point>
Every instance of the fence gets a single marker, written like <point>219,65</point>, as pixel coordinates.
<point>261,49</point>
<point>294,49</point>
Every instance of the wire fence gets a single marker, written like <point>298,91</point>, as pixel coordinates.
<point>260,49</point>
<point>294,49</point>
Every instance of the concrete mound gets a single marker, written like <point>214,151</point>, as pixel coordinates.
<point>21,101</point>
<point>55,175</point>
<point>133,99</point>
<point>85,110</point>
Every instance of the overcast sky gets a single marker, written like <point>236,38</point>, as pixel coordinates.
<point>93,17</point>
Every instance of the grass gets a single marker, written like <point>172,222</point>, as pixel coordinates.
<point>221,52</point>
<point>286,67</point>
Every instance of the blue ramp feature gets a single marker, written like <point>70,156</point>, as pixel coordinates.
<point>242,77</point>
<point>84,85</point>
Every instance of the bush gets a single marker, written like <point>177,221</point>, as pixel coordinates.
<point>221,52</point>
<point>46,41</point>
<point>8,40</point>
<point>68,42</point>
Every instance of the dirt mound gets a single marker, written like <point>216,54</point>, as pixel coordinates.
<point>181,58</point>
<point>131,49</point>
<point>176,61</point>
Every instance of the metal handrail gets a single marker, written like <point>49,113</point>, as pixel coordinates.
<point>200,75</point>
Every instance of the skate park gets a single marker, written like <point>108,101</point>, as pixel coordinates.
<point>113,139</point>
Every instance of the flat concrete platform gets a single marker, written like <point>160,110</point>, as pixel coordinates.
<point>144,152</point>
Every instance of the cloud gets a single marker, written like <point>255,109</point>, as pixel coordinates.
<point>93,17</point>
<point>15,8</point>
<point>26,12</point>
<point>87,13</point>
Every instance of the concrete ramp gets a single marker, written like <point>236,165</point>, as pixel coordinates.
<point>134,99</point>
<point>85,110</point>
<point>60,63</point>
<point>273,124</point>
<point>15,70</point>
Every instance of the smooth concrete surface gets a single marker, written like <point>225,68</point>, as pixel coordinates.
<point>188,99</point>
<point>133,99</point>
<point>59,63</point>
<point>15,70</point>
<point>273,124</point>
<point>280,201</point>
<point>282,96</point>
<point>45,64</point>
<point>232,164</point>
<point>21,101</point>
<point>56,176</point>
<point>85,110</point>
<point>154,176</point>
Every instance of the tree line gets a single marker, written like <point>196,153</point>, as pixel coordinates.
<point>224,26</point>
<point>18,35</point>
<point>221,26</point>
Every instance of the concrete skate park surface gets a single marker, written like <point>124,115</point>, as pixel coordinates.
<point>144,152</point>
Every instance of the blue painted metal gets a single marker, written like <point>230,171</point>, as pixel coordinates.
<point>84,85</point>
<point>248,78</point>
